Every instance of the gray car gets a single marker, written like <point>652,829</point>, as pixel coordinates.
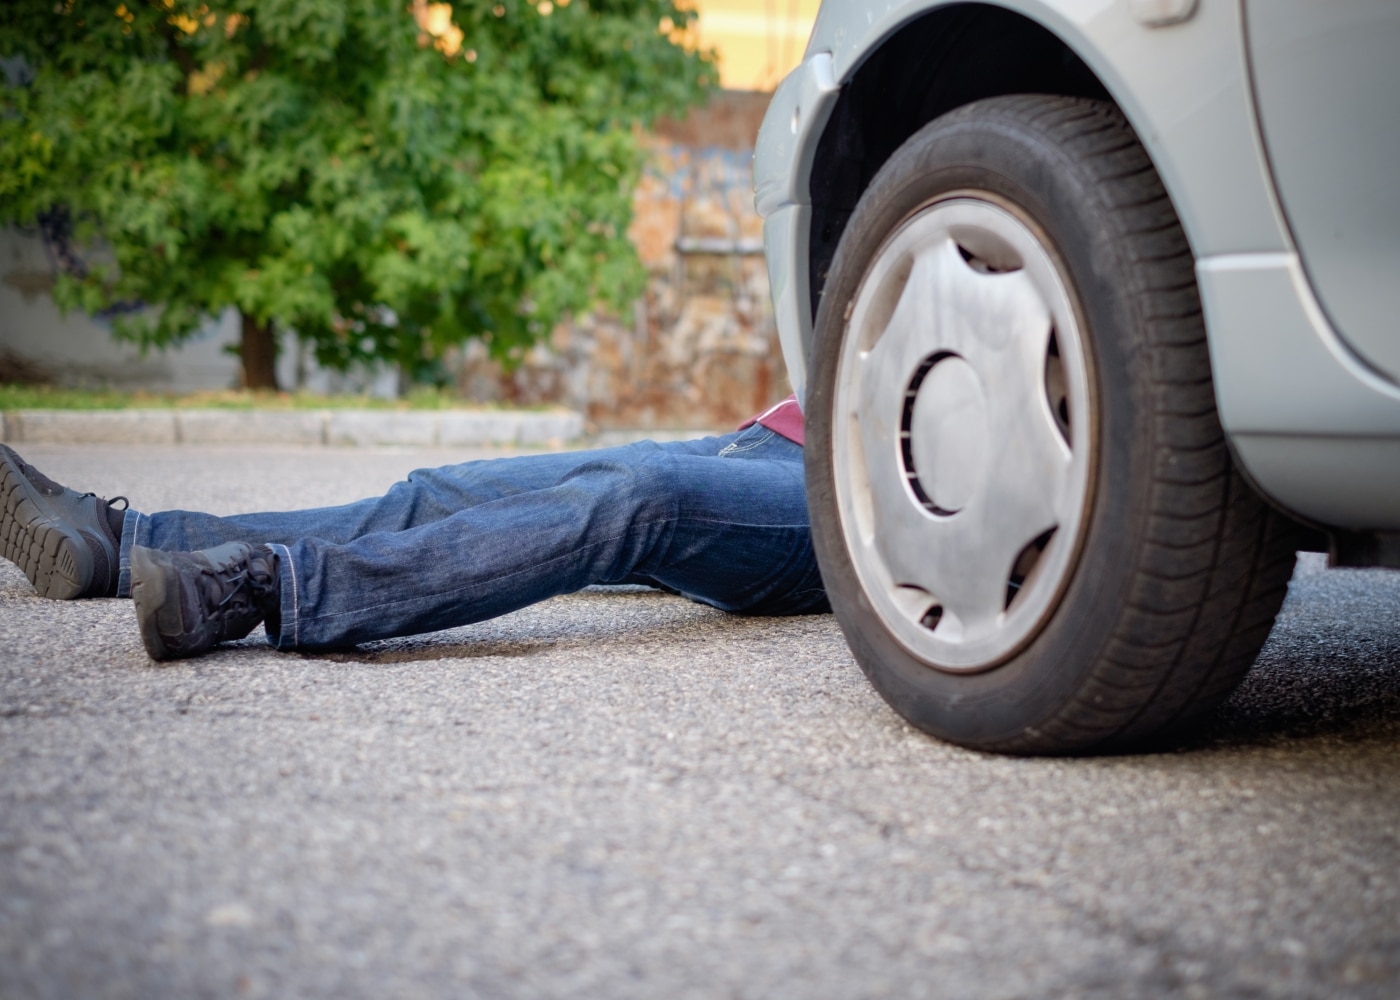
<point>1092,306</point>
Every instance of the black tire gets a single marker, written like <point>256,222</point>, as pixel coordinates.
<point>1169,569</point>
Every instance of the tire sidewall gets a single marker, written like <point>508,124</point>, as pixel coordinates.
<point>973,150</point>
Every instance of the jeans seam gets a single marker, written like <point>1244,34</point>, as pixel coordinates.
<point>285,553</point>
<point>131,524</point>
<point>734,447</point>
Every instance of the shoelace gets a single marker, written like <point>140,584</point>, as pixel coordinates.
<point>230,591</point>
<point>126,504</point>
<point>219,586</point>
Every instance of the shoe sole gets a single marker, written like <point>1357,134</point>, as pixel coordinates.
<point>57,561</point>
<point>150,593</point>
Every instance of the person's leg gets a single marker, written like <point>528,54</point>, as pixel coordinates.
<point>426,495</point>
<point>730,531</point>
<point>743,542</point>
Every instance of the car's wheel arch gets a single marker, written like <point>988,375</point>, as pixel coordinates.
<point>942,56</point>
<point>987,52</point>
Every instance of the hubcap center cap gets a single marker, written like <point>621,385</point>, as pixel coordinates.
<point>946,454</point>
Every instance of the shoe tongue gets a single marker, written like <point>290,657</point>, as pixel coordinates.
<point>115,518</point>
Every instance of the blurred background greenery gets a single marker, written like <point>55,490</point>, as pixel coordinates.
<point>473,196</point>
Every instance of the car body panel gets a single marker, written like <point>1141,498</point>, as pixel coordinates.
<point>1311,424</point>
<point>788,136</point>
<point>785,246</point>
<point>788,140</point>
<point>1183,87</point>
<point>1327,85</point>
<point>1281,371</point>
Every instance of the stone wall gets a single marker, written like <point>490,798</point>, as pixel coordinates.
<point>700,348</point>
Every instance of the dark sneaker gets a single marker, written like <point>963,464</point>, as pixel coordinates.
<point>62,539</point>
<point>187,602</point>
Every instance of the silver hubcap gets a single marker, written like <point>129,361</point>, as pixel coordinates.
<point>962,434</point>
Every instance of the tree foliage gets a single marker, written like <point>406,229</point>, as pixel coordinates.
<point>386,178</point>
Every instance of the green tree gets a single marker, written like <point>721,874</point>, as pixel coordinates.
<point>384,177</point>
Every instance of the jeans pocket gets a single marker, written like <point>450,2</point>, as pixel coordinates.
<point>750,440</point>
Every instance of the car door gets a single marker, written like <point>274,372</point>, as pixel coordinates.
<point>1326,80</point>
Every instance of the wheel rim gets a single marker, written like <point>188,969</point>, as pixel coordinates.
<point>962,433</point>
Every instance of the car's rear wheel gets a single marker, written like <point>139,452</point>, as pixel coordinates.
<point>1026,513</point>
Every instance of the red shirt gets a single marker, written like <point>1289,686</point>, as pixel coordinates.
<point>783,418</point>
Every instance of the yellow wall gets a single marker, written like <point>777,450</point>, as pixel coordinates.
<point>759,41</point>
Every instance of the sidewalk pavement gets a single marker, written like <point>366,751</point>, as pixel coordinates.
<point>413,428</point>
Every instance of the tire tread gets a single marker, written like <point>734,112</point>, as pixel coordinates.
<point>1211,562</point>
<point>1211,619</point>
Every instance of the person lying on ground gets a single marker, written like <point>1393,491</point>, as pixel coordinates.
<point>721,520</point>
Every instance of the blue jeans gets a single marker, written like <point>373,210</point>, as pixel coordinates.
<point>721,520</point>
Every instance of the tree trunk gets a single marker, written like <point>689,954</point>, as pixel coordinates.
<point>259,355</point>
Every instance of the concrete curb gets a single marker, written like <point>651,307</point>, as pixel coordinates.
<point>420,428</point>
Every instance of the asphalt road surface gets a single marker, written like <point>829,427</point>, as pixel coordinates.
<point>622,794</point>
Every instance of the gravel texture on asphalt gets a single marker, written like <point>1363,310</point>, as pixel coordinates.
<point>622,794</point>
